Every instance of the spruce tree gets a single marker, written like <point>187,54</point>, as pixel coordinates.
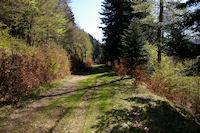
<point>178,44</point>
<point>133,46</point>
<point>134,38</point>
<point>182,30</point>
<point>191,17</point>
<point>117,17</point>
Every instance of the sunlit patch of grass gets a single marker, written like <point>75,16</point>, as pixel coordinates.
<point>89,82</point>
<point>106,96</point>
<point>69,101</point>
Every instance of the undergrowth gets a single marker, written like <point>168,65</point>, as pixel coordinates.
<point>24,68</point>
<point>168,79</point>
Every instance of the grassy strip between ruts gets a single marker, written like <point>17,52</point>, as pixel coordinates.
<point>71,104</point>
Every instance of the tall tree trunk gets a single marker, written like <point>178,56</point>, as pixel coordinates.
<point>29,36</point>
<point>159,34</point>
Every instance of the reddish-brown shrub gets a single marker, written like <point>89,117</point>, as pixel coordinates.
<point>157,84</point>
<point>20,74</point>
<point>140,75</point>
<point>55,59</point>
<point>196,105</point>
<point>121,67</point>
<point>164,87</point>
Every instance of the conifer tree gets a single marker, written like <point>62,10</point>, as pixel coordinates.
<point>133,46</point>
<point>183,30</point>
<point>134,38</point>
<point>117,17</point>
<point>159,33</point>
<point>191,17</point>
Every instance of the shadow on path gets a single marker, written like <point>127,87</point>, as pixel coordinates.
<point>159,117</point>
<point>93,70</point>
<point>94,86</point>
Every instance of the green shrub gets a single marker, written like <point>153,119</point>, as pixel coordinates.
<point>168,79</point>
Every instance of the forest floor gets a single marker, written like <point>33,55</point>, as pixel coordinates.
<point>97,101</point>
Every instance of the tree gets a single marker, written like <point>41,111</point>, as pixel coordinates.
<point>191,17</point>
<point>37,21</point>
<point>50,22</point>
<point>182,31</point>
<point>134,38</point>
<point>117,17</point>
<point>143,13</point>
<point>77,42</point>
<point>18,16</point>
<point>133,46</point>
<point>159,33</point>
<point>178,45</point>
<point>97,50</point>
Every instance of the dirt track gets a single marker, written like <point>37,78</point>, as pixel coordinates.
<point>22,118</point>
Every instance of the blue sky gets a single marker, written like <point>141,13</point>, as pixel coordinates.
<point>87,16</point>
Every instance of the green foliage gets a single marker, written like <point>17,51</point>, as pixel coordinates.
<point>49,23</point>
<point>190,18</point>
<point>37,21</point>
<point>97,54</point>
<point>179,42</point>
<point>168,79</point>
<point>182,28</point>
<point>193,68</point>
<point>168,68</point>
<point>142,10</point>
<point>12,44</point>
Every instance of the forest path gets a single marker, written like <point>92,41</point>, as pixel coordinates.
<point>99,101</point>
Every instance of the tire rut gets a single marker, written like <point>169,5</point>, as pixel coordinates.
<point>28,114</point>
